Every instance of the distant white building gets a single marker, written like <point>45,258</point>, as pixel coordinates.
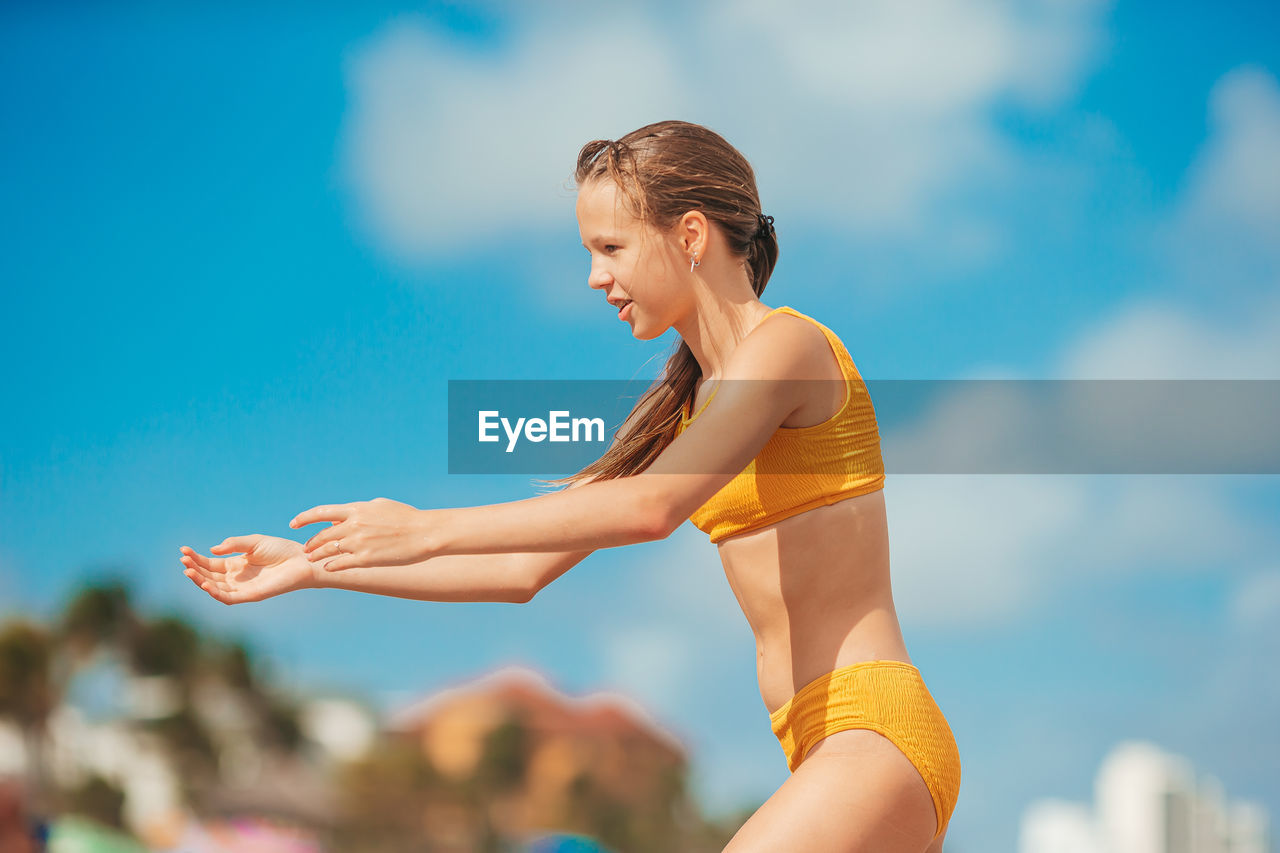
<point>345,729</point>
<point>1147,801</point>
<point>1144,800</point>
<point>1250,829</point>
<point>1059,826</point>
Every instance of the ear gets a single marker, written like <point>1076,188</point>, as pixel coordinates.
<point>693,233</point>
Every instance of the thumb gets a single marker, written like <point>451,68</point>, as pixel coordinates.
<point>236,544</point>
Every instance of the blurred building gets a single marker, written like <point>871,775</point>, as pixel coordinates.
<point>1058,826</point>
<point>342,729</point>
<point>1147,801</point>
<point>558,747</point>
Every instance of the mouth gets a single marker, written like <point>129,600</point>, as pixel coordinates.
<point>621,305</point>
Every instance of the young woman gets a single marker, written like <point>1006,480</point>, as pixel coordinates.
<point>782,472</point>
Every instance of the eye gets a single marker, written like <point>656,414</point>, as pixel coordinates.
<point>610,248</point>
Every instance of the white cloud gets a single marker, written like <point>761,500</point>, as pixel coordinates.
<point>652,661</point>
<point>1222,242</point>
<point>444,144</point>
<point>983,550</point>
<point>865,115</point>
<point>1236,178</point>
<point>972,550</point>
<point>1157,339</point>
<point>975,549</point>
<point>923,58</point>
<point>680,615</point>
<point>1222,239</point>
<point>1256,600</point>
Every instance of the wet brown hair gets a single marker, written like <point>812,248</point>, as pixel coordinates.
<point>663,171</point>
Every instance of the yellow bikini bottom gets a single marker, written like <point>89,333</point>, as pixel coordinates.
<point>885,696</point>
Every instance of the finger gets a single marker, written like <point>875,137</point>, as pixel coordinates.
<point>202,572</point>
<point>325,551</point>
<point>214,591</point>
<point>217,565</point>
<point>223,592</point>
<point>196,573</point>
<point>340,562</point>
<point>330,534</point>
<point>236,544</point>
<point>324,512</point>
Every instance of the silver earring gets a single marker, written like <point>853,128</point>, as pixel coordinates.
<point>694,262</point>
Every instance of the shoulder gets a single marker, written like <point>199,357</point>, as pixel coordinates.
<point>783,346</point>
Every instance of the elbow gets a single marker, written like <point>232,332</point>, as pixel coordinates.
<point>528,578</point>
<point>531,583</point>
<point>661,522</point>
<point>662,513</point>
<point>524,593</point>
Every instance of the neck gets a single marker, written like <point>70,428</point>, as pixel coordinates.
<point>716,327</point>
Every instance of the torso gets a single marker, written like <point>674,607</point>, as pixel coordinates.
<point>815,587</point>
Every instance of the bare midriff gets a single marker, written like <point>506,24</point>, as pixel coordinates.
<point>815,589</point>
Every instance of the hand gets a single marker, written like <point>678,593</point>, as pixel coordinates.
<point>269,566</point>
<point>380,532</point>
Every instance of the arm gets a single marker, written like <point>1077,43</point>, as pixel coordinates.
<point>272,566</point>
<point>511,577</point>
<point>759,391</point>
<point>729,433</point>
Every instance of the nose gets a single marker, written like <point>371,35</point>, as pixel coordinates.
<point>599,277</point>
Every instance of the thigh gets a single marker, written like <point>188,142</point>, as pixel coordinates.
<point>854,793</point>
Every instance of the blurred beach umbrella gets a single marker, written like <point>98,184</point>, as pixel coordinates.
<point>566,844</point>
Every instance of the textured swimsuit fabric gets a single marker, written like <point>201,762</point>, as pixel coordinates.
<point>888,697</point>
<point>803,467</point>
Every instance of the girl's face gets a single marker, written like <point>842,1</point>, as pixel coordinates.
<point>637,266</point>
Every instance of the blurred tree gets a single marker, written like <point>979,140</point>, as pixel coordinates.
<point>279,721</point>
<point>504,756</point>
<point>189,744</point>
<point>234,664</point>
<point>27,691</point>
<point>101,613</point>
<point>166,646</point>
<point>98,800</point>
<point>385,798</point>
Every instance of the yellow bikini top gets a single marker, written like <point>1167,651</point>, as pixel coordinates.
<point>800,467</point>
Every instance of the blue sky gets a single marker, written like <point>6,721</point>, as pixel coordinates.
<point>246,250</point>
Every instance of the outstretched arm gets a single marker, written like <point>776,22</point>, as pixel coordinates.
<point>606,513</point>
<point>257,567</point>
<point>513,578</point>
<point>261,567</point>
